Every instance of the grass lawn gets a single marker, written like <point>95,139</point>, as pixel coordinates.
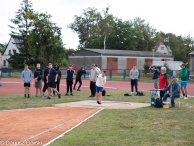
<point>144,126</point>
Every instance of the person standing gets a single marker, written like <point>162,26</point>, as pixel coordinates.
<point>134,78</point>
<point>26,77</point>
<point>46,78</point>
<point>174,91</point>
<point>53,74</point>
<point>38,80</point>
<point>93,78</point>
<point>56,67</point>
<point>100,83</point>
<point>155,76</point>
<point>69,79</point>
<point>163,81</point>
<point>78,78</point>
<point>184,79</point>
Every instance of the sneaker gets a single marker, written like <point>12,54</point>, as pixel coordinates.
<point>48,98</point>
<point>90,96</point>
<point>185,97</point>
<point>182,96</point>
<point>71,94</point>
<point>66,94</point>
<point>35,96</point>
<point>59,96</point>
<point>78,90</point>
<point>52,95</point>
<point>42,96</point>
<point>173,106</point>
<point>98,102</point>
<point>28,96</point>
<point>74,89</point>
<point>131,93</point>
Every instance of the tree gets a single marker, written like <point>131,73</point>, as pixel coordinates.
<point>45,40</point>
<point>146,67</point>
<point>20,32</point>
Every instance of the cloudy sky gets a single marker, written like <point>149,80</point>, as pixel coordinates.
<point>175,16</point>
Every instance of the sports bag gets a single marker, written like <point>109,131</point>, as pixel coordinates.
<point>158,103</point>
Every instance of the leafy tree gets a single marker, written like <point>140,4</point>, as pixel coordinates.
<point>168,70</point>
<point>146,67</point>
<point>20,31</point>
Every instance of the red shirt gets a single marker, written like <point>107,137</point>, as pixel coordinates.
<point>163,81</point>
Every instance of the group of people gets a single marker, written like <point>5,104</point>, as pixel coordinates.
<point>52,77</point>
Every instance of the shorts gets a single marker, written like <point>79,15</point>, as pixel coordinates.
<point>99,89</point>
<point>26,84</point>
<point>184,83</point>
<point>52,84</point>
<point>38,84</point>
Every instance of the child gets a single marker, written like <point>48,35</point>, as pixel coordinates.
<point>69,79</point>
<point>53,74</point>
<point>26,77</point>
<point>100,83</point>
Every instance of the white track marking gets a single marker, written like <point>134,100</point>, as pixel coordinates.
<point>71,128</point>
<point>25,109</point>
<point>59,125</point>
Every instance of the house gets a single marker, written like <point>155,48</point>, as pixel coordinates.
<point>191,63</point>
<point>117,60</point>
<point>0,58</point>
<point>163,49</point>
<point>11,47</point>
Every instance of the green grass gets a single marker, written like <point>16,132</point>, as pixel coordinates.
<point>143,126</point>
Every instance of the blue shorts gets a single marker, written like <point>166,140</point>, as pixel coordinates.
<point>184,83</point>
<point>99,89</point>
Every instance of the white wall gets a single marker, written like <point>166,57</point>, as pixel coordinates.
<point>173,65</point>
<point>6,55</point>
<point>165,50</point>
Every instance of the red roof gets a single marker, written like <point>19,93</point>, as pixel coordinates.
<point>161,43</point>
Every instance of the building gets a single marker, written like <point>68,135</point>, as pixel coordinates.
<point>117,60</point>
<point>11,47</point>
<point>163,49</point>
<point>191,63</point>
<point>0,58</point>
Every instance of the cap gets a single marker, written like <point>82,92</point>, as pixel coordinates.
<point>173,77</point>
<point>82,67</point>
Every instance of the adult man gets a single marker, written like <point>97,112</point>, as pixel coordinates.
<point>53,74</point>
<point>155,76</point>
<point>80,72</point>
<point>184,79</point>
<point>46,78</point>
<point>98,69</point>
<point>134,78</point>
<point>38,80</point>
<point>100,83</point>
<point>26,77</point>
<point>93,78</point>
<point>163,81</point>
<point>69,79</point>
<point>174,91</point>
<point>56,67</point>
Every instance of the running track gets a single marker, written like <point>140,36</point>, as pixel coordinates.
<point>15,86</point>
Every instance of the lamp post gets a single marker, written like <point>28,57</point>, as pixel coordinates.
<point>153,53</point>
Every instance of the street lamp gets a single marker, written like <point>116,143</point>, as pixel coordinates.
<point>146,41</point>
<point>153,53</point>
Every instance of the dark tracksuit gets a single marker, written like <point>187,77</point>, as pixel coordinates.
<point>69,79</point>
<point>38,74</point>
<point>46,72</point>
<point>58,78</point>
<point>78,78</point>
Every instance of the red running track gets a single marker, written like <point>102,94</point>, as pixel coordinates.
<point>15,86</point>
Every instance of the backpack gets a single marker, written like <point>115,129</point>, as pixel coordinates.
<point>158,103</point>
<point>127,94</point>
<point>139,93</point>
<point>103,92</point>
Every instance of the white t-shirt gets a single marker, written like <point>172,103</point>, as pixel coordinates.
<point>98,69</point>
<point>98,82</point>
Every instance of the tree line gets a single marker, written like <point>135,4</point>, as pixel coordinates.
<point>100,30</point>
<point>39,39</point>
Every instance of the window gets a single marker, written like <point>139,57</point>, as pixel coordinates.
<point>162,48</point>
<point>146,60</point>
<point>150,60</point>
<point>4,63</point>
<point>162,59</point>
<point>9,52</point>
<point>107,59</point>
<point>115,59</point>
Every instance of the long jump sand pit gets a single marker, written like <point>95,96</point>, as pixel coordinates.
<point>105,104</point>
<point>40,126</point>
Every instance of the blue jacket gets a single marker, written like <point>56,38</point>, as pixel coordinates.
<point>175,88</point>
<point>156,74</point>
<point>26,76</point>
<point>52,73</point>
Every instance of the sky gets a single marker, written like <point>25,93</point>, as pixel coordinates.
<point>174,16</point>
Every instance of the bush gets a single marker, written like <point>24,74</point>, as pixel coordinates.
<point>65,62</point>
<point>146,67</point>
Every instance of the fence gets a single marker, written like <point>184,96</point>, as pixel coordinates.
<point>112,74</point>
